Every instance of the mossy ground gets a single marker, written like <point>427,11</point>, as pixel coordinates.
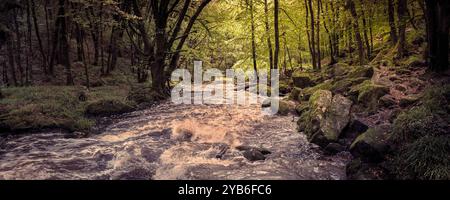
<point>40,107</point>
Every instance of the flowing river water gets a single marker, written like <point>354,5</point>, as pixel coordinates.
<point>151,144</point>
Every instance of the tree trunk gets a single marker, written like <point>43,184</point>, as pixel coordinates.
<point>269,42</point>
<point>352,9</point>
<point>437,34</point>
<point>391,17</point>
<point>277,34</point>
<point>402,19</point>
<point>38,36</point>
<point>255,67</point>
<point>366,35</point>
<point>313,40</point>
<point>319,55</point>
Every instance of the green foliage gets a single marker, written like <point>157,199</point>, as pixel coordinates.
<point>426,159</point>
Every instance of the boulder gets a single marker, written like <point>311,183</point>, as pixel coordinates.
<point>354,129</point>
<point>369,94</point>
<point>371,145</point>
<point>407,101</point>
<point>363,71</point>
<point>253,155</point>
<point>302,81</point>
<point>327,117</point>
<point>285,107</point>
<point>295,92</point>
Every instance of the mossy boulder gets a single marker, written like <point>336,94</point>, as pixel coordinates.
<point>108,107</point>
<point>302,81</point>
<point>327,117</point>
<point>295,92</point>
<point>306,93</point>
<point>425,159</point>
<point>336,70</point>
<point>369,94</point>
<point>343,86</point>
<point>361,71</point>
<point>371,145</point>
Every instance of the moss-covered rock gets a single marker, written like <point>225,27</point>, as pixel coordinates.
<point>361,71</point>
<point>327,117</point>
<point>307,92</point>
<point>295,92</point>
<point>425,159</point>
<point>369,94</point>
<point>371,145</point>
<point>343,86</point>
<point>302,81</point>
<point>108,107</point>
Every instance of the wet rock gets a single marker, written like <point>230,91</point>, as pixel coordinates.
<point>334,148</point>
<point>300,109</point>
<point>253,155</point>
<point>327,118</point>
<point>387,101</point>
<point>264,151</point>
<point>371,145</point>
<point>76,135</point>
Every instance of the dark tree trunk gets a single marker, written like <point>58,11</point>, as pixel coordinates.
<point>255,67</point>
<point>319,55</point>
<point>366,35</point>
<point>402,19</point>
<point>391,17</point>
<point>269,42</point>
<point>352,9</point>
<point>313,40</point>
<point>277,33</point>
<point>437,34</point>
<point>10,52</point>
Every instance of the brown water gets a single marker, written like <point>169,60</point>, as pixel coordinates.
<point>152,144</point>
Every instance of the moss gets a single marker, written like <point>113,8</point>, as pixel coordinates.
<point>369,94</point>
<point>362,71</point>
<point>416,123</point>
<point>142,94</point>
<point>34,108</point>
<point>426,159</point>
<point>107,107</point>
<point>343,86</point>
<point>306,93</point>
<point>294,95</point>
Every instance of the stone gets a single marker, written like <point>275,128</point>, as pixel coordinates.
<point>371,145</point>
<point>334,148</point>
<point>253,155</point>
<point>327,118</point>
<point>354,129</point>
<point>407,101</point>
<point>302,81</point>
